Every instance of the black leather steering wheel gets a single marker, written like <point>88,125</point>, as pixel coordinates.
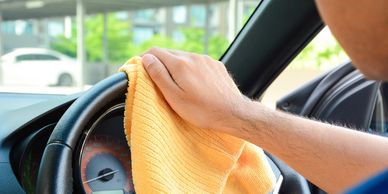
<point>56,168</point>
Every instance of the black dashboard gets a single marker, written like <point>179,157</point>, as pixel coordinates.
<point>26,122</point>
<point>102,157</point>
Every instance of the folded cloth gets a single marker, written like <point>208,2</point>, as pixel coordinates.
<point>169,155</point>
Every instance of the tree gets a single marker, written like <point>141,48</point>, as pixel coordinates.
<point>119,40</point>
<point>121,46</point>
<point>193,41</point>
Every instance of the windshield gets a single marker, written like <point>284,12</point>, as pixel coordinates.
<point>64,46</point>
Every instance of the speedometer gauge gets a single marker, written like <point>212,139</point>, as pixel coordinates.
<point>105,159</point>
<point>106,165</point>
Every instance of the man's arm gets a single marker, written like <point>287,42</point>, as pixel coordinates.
<point>332,157</point>
<point>201,91</point>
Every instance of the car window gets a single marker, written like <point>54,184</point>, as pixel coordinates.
<point>36,57</point>
<point>98,38</point>
<point>47,57</point>
<point>379,122</point>
<point>319,56</point>
<point>28,57</point>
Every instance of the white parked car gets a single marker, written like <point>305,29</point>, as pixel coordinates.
<point>38,67</point>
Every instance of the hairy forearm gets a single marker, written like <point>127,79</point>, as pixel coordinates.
<point>332,157</point>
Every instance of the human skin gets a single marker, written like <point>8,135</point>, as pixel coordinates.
<point>361,27</point>
<point>334,158</point>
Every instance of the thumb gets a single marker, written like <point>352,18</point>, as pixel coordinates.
<point>159,74</point>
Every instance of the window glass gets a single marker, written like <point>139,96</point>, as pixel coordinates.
<point>320,55</point>
<point>36,57</point>
<point>110,34</point>
<point>180,14</point>
<point>198,15</point>
<point>47,58</point>
<point>379,122</point>
<point>26,58</point>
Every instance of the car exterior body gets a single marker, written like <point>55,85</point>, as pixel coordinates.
<point>23,64</point>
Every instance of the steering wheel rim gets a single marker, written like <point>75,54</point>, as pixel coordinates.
<point>56,168</point>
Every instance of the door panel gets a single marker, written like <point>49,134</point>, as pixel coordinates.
<point>342,96</point>
<point>340,92</point>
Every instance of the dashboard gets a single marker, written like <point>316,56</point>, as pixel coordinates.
<point>101,160</point>
<point>103,157</point>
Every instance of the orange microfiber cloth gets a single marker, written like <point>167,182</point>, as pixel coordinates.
<point>169,155</point>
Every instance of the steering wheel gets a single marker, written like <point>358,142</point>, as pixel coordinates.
<point>56,168</point>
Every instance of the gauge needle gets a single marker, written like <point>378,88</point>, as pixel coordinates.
<point>103,175</point>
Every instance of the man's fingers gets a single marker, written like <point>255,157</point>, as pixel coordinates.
<point>171,61</point>
<point>159,74</point>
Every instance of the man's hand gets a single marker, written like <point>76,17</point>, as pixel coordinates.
<point>197,87</point>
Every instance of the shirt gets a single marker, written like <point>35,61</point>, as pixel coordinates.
<point>376,185</point>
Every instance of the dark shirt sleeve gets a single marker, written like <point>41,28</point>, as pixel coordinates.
<point>376,185</point>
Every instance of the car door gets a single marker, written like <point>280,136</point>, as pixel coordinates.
<point>343,97</point>
<point>27,67</point>
<point>22,70</point>
<point>18,70</point>
<point>52,65</point>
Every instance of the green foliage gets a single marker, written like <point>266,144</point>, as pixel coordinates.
<point>158,41</point>
<point>323,52</point>
<point>66,46</point>
<point>119,40</point>
<point>121,47</point>
<point>193,42</point>
<point>217,46</point>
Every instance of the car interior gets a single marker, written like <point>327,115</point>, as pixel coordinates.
<point>46,140</point>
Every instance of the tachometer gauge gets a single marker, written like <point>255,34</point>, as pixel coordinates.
<point>106,165</point>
